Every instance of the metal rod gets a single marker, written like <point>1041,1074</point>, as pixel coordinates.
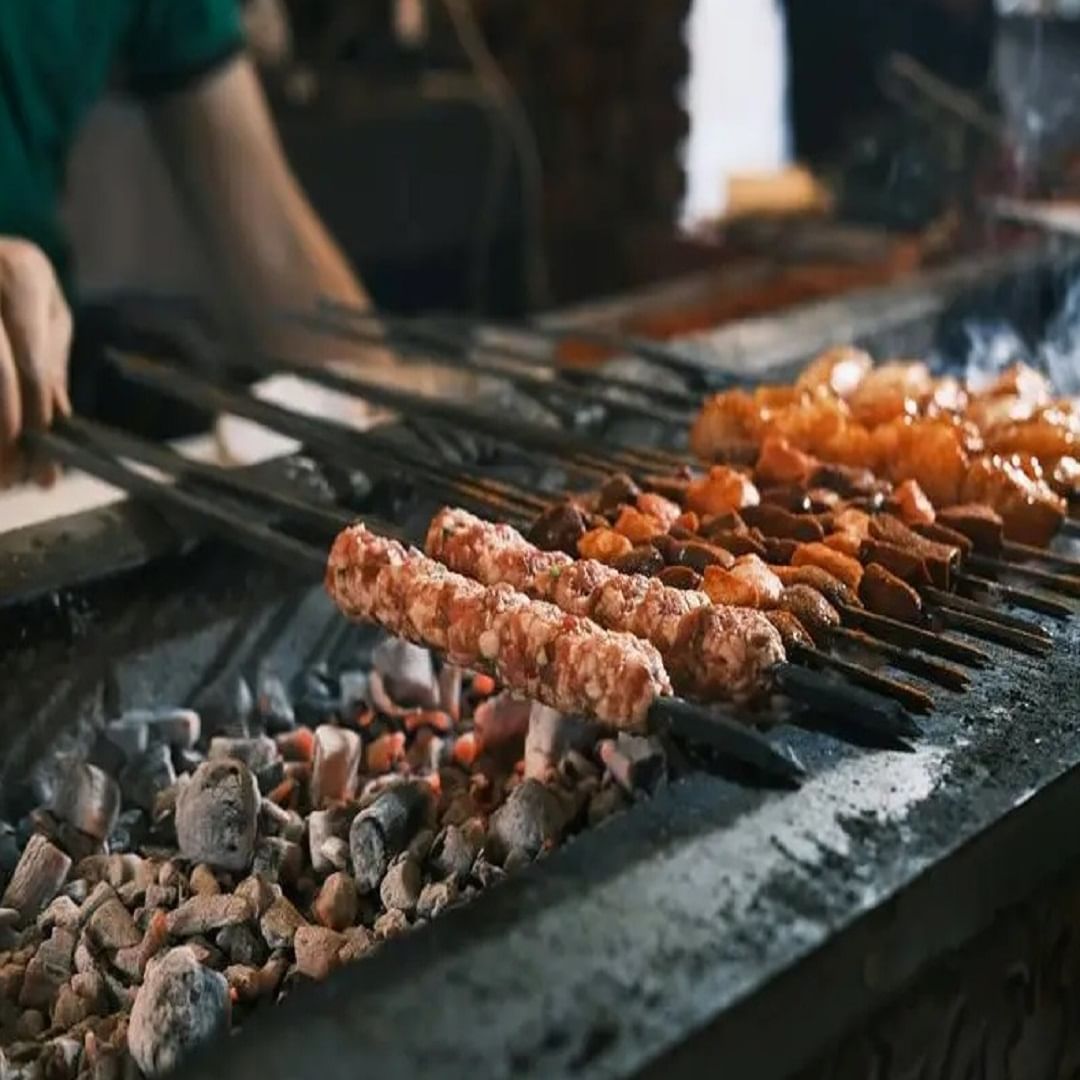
<point>945,675</point>
<point>338,441</point>
<point>233,524</point>
<point>1020,597</point>
<point>1061,582</point>
<point>807,686</point>
<point>1003,635</point>
<point>916,637</point>
<point>419,340</point>
<point>1014,550</point>
<point>900,692</point>
<point>937,599</point>
<point>108,441</point>
<point>658,353</point>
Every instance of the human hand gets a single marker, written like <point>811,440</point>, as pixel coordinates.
<point>35,339</point>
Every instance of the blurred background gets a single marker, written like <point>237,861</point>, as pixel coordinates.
<point>504,156</point>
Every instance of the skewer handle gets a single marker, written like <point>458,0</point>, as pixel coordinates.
<point>860,707</point>
<point>736,741</point>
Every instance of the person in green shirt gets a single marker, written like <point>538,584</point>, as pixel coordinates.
<point>186,61</point>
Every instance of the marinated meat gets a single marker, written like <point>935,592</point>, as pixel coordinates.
<point>981,524</point>
<point>644,559</point>
<point>563,661</point>
<point>842,567</point>
<point>833,589</point>
<point>646,607</point>
<point>942,534</point>
<point>792,632</point>
<point>940,559</point>
<point>722,489</point>
<point>778,522</point>
<point>814,612</point>
<point>560,528</point>
<point>904,564</point>
<point>885,594</point>
<point>912,504</point>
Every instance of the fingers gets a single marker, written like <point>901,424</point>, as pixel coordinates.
<point>31,308</point>
<point>35,340</point>
<point>10,414</point>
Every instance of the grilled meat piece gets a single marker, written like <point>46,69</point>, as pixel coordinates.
<point>838,371</point>
<point>615,491</point>
<point>795,500</point>
<point>658,507</point>
<point>779,552</point>
<point>791,631</point>
<point>736,543</point>
<point>833,589</point>
<point>637,527</point>
<point>841,566</point>
<point>885,594</point>
<point>697,555</point>
<point>644,559</point>
<point>942,534</point>
<point>905,564</point>
<point>940,559</point>
<point>911,504</point>
<point>778,522</point>
<point>779,462</point>
<point>680,577</point>
<point>722,489</point>
<point>1031,511</point>
<point>848,481</point>
<point>725,652</point>
<point>560,528</point>
<point>645,607</point>
<point>981,524</point>
<point>813,611</point>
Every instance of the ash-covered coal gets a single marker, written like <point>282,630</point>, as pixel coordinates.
<point>197,867</point>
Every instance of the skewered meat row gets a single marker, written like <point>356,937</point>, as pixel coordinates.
<point>1029,512</point>
<point>853,559</point>
<point>710,651</point>
<point>744,588</point>
<point>1015,413</point>
<point>535,649</point>
<point>946,453</point>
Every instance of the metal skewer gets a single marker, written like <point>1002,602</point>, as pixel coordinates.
<point>230,521</point>
<point>949,677</point>
<point>916,637</point>
<point>420,338</point>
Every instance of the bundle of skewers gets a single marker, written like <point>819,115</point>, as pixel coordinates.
<point>789,569</point>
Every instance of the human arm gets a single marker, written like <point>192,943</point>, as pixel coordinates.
<point>267,244</point>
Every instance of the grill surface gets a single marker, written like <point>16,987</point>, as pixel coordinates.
<point>705,922</point>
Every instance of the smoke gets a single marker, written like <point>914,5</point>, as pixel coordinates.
<point>1059,351</point>
<point>980,348</point>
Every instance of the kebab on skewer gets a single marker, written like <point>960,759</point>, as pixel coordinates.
<point>560,659</point>
<point>728,555</point>
<point>704,643</point>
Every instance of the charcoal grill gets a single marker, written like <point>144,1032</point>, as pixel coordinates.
<point>715,925</point>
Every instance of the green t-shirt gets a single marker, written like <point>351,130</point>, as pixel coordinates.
<point>56,59</point>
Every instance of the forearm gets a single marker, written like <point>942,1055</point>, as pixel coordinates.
<point>268,248</point>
